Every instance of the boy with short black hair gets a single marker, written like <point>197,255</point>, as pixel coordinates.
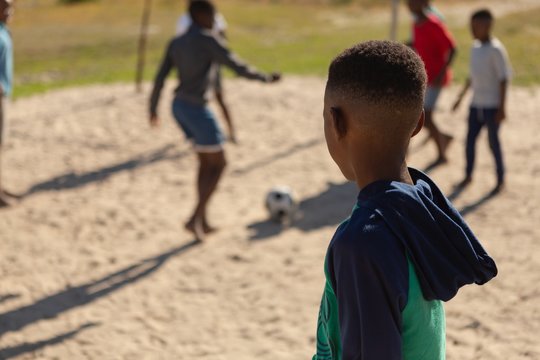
<point>437,48</point>
<point>196,56</point>
<point>404,249</point>
<point>489,75</point>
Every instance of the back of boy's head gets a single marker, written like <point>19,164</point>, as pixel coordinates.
<point>197,7</point>
<point>387,76</point>
<point>482,14</point>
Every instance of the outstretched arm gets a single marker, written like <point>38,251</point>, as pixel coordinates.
<point>165,68</point>
<point>225,57</point>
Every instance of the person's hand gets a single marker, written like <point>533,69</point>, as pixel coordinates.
<point>500,116</point>
<point>154,121</point>
<point>273,77</point>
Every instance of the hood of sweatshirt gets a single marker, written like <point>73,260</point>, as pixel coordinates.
<point>445,252</point>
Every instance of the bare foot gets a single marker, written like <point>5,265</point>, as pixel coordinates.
<point>196,228</point>
<point>440,160</point>
<point>207,228</point>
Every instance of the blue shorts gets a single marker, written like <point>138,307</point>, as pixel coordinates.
<point>430,100</point>
<point>199,125</point>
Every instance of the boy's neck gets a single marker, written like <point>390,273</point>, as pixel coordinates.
<point>375,172</point>
<point>485,40</point>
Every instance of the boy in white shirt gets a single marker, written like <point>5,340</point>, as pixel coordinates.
<point>489,75</point>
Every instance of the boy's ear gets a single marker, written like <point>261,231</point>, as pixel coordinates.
<point>339,124</point>
<point>420,123</point>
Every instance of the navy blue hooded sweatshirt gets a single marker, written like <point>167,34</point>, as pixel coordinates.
<point>393,224</point>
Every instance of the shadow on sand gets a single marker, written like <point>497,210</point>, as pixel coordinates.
<point>72,297</point>
<point>472,207</point>
<point>72,180</point>
<point>328,208</point>
<point>334,205</point>
<point>14,351</point>
<point>277,156</point>
<point>7,297</point>
<point>467,209</point>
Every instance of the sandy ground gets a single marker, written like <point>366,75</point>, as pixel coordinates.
<point>94,262</point>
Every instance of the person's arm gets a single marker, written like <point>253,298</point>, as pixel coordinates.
<point>444,40</point>
<point>462,94</point>
<point>224,56</point>
<point>218,88</point>
<point>226,114</point>
<point>440,77</point>
<point>164,69</point>
<point>370,280</point>
<point>501,112</point>
<point>503,73</point>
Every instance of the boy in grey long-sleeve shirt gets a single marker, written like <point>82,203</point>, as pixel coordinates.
<point>196,55</point>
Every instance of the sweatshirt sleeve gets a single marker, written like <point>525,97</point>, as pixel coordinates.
<point>164,69</point>
<point>370,279</point>
<point>501,64</point>
<point>224,56</point>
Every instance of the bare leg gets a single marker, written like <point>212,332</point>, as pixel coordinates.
<point>441,139</point>
<point>211,166</point>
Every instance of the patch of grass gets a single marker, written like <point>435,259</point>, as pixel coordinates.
<point>96,42</point>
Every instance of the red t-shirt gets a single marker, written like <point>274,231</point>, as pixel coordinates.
<point>433,43</point>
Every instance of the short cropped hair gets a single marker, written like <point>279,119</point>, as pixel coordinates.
<point>200,6</point>
<point>482,14</point>
<point>387,74</point>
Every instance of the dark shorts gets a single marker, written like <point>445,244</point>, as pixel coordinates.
<point>199,125</point>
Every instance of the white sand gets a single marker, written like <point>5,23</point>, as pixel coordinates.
<point>93,263</point>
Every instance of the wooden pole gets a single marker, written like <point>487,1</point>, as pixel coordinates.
<point>394,24</point>
<point>142,44</point>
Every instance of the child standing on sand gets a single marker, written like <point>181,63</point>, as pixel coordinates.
<point>404,249</point>
<point>436,46</point>
<point>196,55</point>
<point>489,75</point>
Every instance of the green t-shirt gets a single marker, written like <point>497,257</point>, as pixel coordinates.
<point>423,324</point>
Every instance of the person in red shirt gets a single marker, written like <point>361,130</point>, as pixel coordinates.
<point>437,48</point>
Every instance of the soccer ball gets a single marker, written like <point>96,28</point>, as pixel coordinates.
<point>281,204</point>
